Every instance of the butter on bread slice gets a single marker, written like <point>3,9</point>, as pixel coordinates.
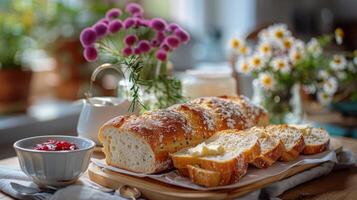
<point>229,165</point>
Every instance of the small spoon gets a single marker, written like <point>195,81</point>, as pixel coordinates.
<point>129,192</point>
<point>28,190</point>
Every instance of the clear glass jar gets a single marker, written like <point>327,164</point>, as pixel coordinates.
<point>200,83</point>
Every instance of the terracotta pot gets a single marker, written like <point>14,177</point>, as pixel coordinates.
<point>14,90</point>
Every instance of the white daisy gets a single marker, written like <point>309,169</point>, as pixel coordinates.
<point>338,62</point>
<point>265,49</point>
<point>266,80</point>
<point>324,98</point>
<point>322,74</point>
<point>287,43</point>
<point>299,45</point>
<point>244,50</point>
<point>314,47</point>
<point>264,35</point>
<point>341,75</point>
<point>279,31</point>
<point>330,86</point>
<point>243,66</point>
<point>339,34</point>
<point>352,67</point>
<point>256,61</point>
<point>296,55</point>
<point>281,64</point>
<point>235,43</point>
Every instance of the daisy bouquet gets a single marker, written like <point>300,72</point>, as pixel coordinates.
<point>280,64</point>
<point>139,48</point>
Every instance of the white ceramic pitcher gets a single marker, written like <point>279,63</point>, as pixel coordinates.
<point>98,110</point>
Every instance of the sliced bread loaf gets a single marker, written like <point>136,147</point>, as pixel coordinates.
<point>271,148</point>
<point>220,160</point>
<point>292,139</point>
<point>316,140</point>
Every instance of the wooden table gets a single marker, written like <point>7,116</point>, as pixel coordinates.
<point>337,185</point>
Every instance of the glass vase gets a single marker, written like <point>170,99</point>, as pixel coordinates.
<point>284,105</point>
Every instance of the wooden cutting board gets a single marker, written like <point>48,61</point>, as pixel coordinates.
<point>153,189</point>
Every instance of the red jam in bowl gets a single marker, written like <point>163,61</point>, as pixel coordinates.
<point>54,145</point>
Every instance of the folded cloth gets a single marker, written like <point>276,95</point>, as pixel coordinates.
<point>345,159</point>
<point>80,190</point>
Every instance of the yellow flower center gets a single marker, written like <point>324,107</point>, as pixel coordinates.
<point>243,50</point>
<point>338,61</point>
<point>297,56</point>
<point>267,81</point>
<point>281,64</point>
<point>279,34</point>
<point>287,44</point>
<point>256,61</point>
<point>235,43</point>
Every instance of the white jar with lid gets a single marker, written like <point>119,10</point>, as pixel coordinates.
<point>208,82</point>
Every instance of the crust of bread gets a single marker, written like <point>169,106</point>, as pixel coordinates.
<point>294,153</point>
<point>314,149</point>
<point>201,170</point>
<point>268,158</point>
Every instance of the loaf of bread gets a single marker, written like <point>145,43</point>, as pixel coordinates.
<point>143,143</point>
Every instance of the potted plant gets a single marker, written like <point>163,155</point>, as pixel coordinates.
<point>15,27</point>
<point>139,48</point>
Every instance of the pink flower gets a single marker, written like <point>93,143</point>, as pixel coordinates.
<point>144,46</point>
<point>138,15</point>
<point>130,40</point>
<point>137,51</point>
<point>155,43</point>
<point>158,24</point>
<point>165,47</point>
<point>100,29</point>
<point>127,51</point>
<point>129,22</point>
<point>142,22</point>
<point>90,53</point>
<point>160,36</point>
<point>105,21</point>
<point>115,26</point>
<point>133,8</point>
<point>161,55</point>
<point>88,36</point>
<point>172,41</point>
<point>113,13</point>
<point>182,35</point>
<point>172,27</point>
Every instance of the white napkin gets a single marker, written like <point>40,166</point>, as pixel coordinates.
<point>346,159</point>
<point>78,191</point>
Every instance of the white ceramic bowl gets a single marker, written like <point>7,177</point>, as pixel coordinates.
<point>54,168</point>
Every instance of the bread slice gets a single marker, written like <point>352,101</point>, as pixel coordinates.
<point>227,166</point>
<point>292,139</point>
<point>271,148</point>
<point>316,140</point>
